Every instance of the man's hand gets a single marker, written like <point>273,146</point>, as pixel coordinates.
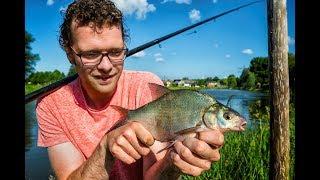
<point>194,155</point>
<point>129,142</point>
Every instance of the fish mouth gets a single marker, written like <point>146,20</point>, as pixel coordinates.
<point>243,125</point>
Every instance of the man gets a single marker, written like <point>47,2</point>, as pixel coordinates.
<point>76,121</point>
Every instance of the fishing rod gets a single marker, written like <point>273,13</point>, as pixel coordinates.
<point>54,86</point>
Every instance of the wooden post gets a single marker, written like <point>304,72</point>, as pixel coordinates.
<point>279,89</point>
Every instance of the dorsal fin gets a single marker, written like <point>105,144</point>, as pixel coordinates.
<point>123,111</point>
<point>157,90</point>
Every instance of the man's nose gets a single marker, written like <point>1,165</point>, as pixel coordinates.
<point>105,64</point>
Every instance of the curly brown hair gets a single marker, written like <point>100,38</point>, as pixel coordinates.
<point>90,12</point>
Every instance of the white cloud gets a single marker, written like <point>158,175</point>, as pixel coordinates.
<point>159,59</point>
<point>215,1</point>
<point>228,56</point>
<point>291,40</point>
<point>178,1</point>
<point>138,7</point>
<point>50,2</point>
<point>62,9</point>
<point>157,55</point>
<point>194,15</point>
<point>139,54</point>
<point>247,51</point>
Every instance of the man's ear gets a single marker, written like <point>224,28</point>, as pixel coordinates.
<point>70,55</point>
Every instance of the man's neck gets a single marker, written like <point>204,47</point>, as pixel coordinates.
<point>95,100</point>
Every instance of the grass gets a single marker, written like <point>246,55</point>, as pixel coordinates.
<point>28,88</point>
<point>245,155</point>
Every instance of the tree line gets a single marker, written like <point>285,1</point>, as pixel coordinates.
<point>39,77</point>
<point>254,77</point>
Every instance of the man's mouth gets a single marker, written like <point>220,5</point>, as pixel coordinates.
<point>104,79</point>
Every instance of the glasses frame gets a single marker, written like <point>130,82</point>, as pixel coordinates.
<point>103,54</point>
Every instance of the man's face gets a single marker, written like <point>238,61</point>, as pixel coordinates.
<point>102,78</point>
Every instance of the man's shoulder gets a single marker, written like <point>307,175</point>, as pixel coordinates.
<point>141,76</point>
<point>139,73</point>
<point>62,93</point>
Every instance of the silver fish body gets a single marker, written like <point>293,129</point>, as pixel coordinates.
<point>185,111</point>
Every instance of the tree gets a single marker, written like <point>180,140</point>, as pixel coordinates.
<point>232,81</point>
<point>72,70</point>
<point>259,66</point>
<point>247,79</point>
<point>216,79</point>
<point>251,81</point>
<point>30,58</point>
<point>45,77</point>
<point>201,82</point>
<point>223,82</point>
<point>292,72</point>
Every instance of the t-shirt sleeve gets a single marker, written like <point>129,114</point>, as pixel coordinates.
<point>50,132</point>
<point>145,95</point>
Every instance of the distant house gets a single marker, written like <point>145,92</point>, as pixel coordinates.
<point>176,81</point>
<point>167,83</point>
<point>212,84</point>
<point>183,83</point>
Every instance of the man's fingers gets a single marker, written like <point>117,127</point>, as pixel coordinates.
<point>142,134</point>
<point>189,157</point>
<point>127,147</point>
<point>184,166</point>
<point>202,149</point>
<point>118,153</point>
<point>212,137</point>
<point>132,139</point>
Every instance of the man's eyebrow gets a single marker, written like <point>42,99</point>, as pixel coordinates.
<point>102,50</point>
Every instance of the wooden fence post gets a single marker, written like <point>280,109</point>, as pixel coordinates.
<point>279,89</point>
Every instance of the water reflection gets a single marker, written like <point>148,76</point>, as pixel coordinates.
<point>37,165</point>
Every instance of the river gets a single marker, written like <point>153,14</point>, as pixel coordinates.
<point>37,165</point>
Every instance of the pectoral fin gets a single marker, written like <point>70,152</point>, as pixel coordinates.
<point>167,147</point>
<point>189,130</point>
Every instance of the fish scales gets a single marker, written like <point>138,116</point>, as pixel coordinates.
<point>175,111</point>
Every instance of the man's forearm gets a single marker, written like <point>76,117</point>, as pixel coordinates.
<point>97,166</point>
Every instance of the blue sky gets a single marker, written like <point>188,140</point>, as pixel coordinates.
<point>218,48</point>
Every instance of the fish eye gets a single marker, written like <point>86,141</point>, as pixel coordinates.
<point>227,116</point>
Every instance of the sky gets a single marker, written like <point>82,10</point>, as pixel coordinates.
<point>218,48</point>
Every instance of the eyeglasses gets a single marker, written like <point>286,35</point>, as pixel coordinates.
<point>93,58</point>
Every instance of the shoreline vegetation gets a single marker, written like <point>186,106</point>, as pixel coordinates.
<point>29,88</point>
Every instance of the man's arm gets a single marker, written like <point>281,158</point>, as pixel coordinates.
<point>125,143</point>
<point>68,163</point>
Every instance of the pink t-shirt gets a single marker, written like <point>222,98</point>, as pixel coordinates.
<point>63,116</point>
